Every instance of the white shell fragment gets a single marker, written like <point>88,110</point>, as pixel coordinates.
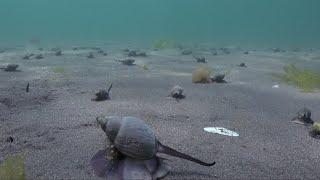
<point>220,130</point>
<point>275,86</point>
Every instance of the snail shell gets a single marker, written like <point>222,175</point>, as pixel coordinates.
<point>176,92</point>
<point>303,117</point>
<point>219,78</point>
<point>304,113</point>
<point>131,136</point>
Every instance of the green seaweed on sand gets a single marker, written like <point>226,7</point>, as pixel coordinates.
<point>315,131</point>
<point>58,70</point>
<point>13,168</point>
<point>163,43</point>
<point>316,128</point>
<point>305,80</point>
<point>145,67</point>
<point>202,74</point>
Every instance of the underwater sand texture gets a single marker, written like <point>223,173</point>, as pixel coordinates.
<point>54,122</point>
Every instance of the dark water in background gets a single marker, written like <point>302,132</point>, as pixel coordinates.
<point>293,23</point>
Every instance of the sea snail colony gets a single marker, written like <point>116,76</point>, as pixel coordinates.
<point>133,151</point>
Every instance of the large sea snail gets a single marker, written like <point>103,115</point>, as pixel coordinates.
<point>132,137</point>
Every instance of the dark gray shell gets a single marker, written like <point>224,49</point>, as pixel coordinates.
<point>304,113</point>
<point>134,138</point>
<point>242,65</point>
<point>58,53</point>
<point>186,52</point>
<point>176,91</point>
<point>219,78</point>
<point>128,62</point>
<point>91,55</point>
<point>303,117</point>
<point>200,59</point>
<point>11,67</point>
<point>102,95</point>
<point>39,56</point>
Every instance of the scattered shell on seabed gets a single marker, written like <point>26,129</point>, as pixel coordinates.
<point>275,86</point>
<point>220,130</point>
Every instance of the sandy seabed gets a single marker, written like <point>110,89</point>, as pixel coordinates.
<point>55,122</point>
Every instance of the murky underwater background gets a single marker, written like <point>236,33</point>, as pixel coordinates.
<point>230,81</point>
<point>252,23</point>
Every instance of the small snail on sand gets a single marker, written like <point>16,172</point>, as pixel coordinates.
<point>177,92</point>
<point>103,95</point>
<point>10,67</point>
<point>200,59</point>
<point>218,78</point>
<point>128,62</point>
<point>303,117</point>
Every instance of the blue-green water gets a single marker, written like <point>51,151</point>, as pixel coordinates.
<point>293,23</point>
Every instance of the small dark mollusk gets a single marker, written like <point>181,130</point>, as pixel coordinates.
<point>218,78</point>
<point>177,92</point>
<point>277,50</point>
<point>303,117</point>
<point>10,139</point>
<point>39,56</point>
<point>186,52</point>
<point>128,62</point>
<point>27,56</point>
<point>142,54</point>
<point>90,56</point>
<point>214,52</point>
<point>200,59</point>
<point>103,95</point>
<point>10,67</point>
<point>58,53</point>
<point>55,49</point>
<point>225,50</point>
<point>246,52</point>
<point>134,53</point>
<point>242,65</point>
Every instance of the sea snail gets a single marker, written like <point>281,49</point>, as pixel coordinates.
<point>177,92</point>
<point>132,137</point>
